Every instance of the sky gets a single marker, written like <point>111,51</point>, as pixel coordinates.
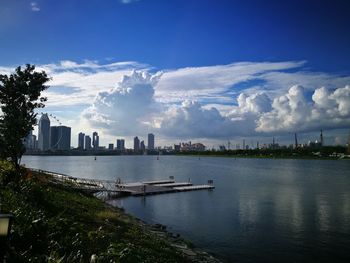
<point>212,70</point>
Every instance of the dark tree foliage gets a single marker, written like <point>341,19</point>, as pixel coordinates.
<point>19,97</point>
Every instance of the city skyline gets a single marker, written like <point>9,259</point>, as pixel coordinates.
<point>85,141</point>
<point>210,74</point>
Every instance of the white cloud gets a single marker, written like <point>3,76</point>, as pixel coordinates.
<point>214,102</point>
<point>34,7</point>
<point>200,82</point>
<point>128,1</point>
<point>293,112</point>
<point>126,108</point>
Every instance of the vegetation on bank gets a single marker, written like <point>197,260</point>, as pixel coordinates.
<point>54,223</point>
<point>325,152</point>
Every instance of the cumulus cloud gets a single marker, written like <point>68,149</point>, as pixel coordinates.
<point>293,112</point>
<point>258,114</point>
<point>192,120</point>
<point>126,108</point>
<point>216,102</point>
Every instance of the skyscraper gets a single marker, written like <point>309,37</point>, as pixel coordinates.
<point>142,146</point>
<point>121,144</point>
<point>60,137</point>
<point>150,144</point>
<point>28,141</point>
<point>87,142</point>
<point>81,137</point>
<point>95,140</point>
<point>44,133</point>
<point>136,144</point>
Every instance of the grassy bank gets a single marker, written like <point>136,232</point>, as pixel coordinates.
<point>53,223</point>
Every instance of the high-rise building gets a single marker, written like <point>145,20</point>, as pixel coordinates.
<point>150,144</point>
<point>87,142</point>
<point>321,138</point>
<point>35,142</point>
<point>60,137</point>
<point>142,146</point>
<point>110,146</point>
<point>28,141</point>
<point>44,133</point>
<point>81,137</point>
<point>136,144</point>
<point>95,140</point>
<point>121,144</point>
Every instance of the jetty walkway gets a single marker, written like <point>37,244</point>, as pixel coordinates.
<point>118,188</point>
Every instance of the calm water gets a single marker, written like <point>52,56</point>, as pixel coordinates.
<point>261,210</point>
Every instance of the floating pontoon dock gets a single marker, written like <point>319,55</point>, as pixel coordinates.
<point>118,188</point>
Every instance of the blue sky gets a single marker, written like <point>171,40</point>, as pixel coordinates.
<point>209,53</point>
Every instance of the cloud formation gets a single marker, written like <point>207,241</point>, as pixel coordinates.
<point>293,112</point>
<point>34,7</point>
<point>124,109</point>
<point>214,102</point>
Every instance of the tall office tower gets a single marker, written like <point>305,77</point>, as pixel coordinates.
<point>35,142</point>
<point>321,138</point>
<point>95,140</point>
<point>142,146</point>
<point>120,144</point>
<point>136,144</point>
<point>81,137</point>
<point>44,133</point>
<point>295,141</point>
<point>87,142</point>
<point>60,137</point>
<point>110,146</point>
<point>150,141</point>
<point>28,141</point>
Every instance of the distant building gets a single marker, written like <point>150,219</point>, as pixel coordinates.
<point>110,146</point>
<point>222,148</point>
<point>95,140</point>
<point>185,147</point>
<point>150,144</point>
<point>44,133</point>
<point>87,142</point>
<point>121,144</point>
<point>142,146</point>
<point>28,141</point>
<point>60,138</point>
<point>177,147</point>
<point>81,137</point>
<point>136,144</point>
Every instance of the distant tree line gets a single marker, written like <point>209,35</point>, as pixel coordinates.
<point>322,152</point>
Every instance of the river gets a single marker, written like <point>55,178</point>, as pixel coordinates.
<point>271,210</point>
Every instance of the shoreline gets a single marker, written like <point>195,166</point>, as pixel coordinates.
<point>285,157</point>
<point>184,245</point>
<point>61,223</point>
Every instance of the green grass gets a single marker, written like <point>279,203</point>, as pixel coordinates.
<point>56,224</point>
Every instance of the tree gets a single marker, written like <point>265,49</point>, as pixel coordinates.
<point>20,95</point>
